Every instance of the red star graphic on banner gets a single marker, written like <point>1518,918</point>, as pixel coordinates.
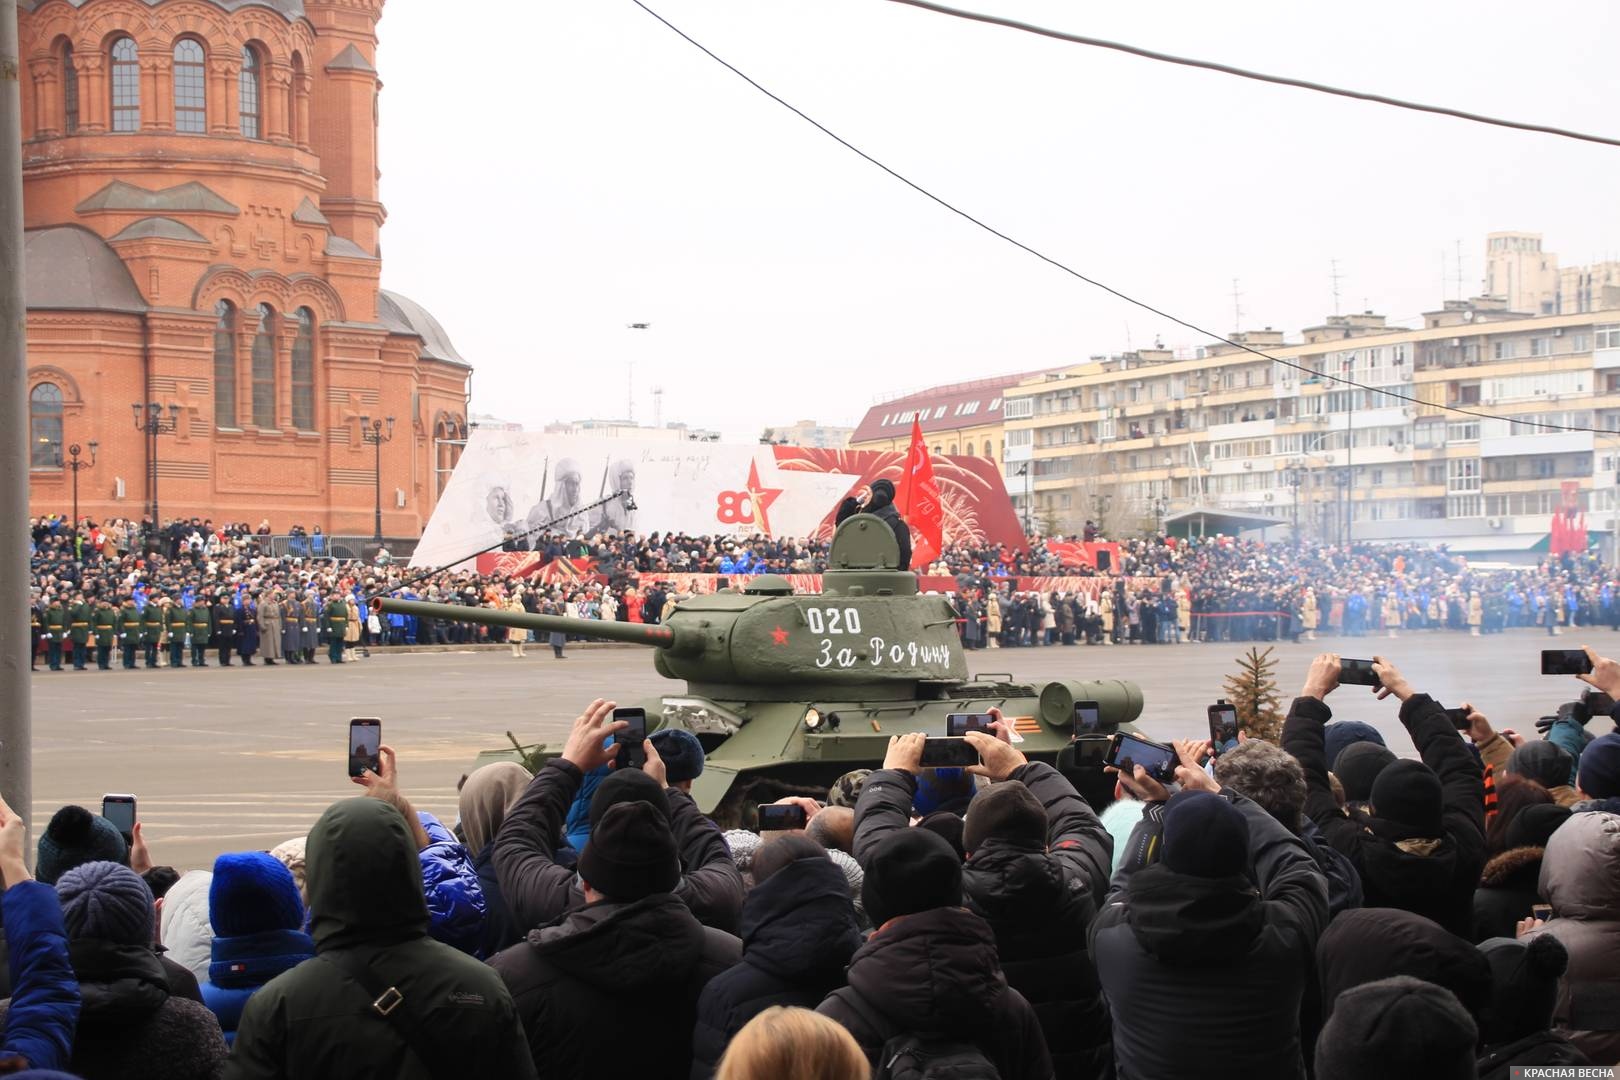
<point>779,636</point>
<point>760,498</point>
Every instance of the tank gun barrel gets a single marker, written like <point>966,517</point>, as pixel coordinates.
<point>669,638</point>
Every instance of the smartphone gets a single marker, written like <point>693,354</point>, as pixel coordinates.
<point>365,737</point>
<point>1223,725</point>
<point>781,817</point>
<point>948,753</point>
<point>1358,673</point>
<point>1565,662</point>
<point>1091,751</point>
<point>1596,701</point>
<point>958,724</point>
<point>1541,911</point>
<point>1128,751</point>
<point>120,810</point>
<point>1458,718</point>
<point>1087,718</point>
<point>633,739</point>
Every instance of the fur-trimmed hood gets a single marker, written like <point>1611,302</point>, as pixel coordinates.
<point>1515,866</point>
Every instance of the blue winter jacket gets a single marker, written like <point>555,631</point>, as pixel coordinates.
<point>44,991</point>
<point>241,965</point>
<point>577,826</point>
<point>455,900</point>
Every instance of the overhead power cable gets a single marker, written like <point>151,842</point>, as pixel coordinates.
<point>1096,284</point>
<point>1258,76</point>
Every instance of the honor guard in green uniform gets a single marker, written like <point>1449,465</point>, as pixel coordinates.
<point>129,631</point>
<point>79,630</point>
<point>202,628</point>
<point>309,625</point>
<point>36,631</point>
<point>104,624</point>
<point>334,624</point>
<point>56,631</point>
<point>177,622</point>
<point>151,629</point>
<point>225,628</point>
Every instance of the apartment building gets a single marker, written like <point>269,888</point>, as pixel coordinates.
<point>957,419</point>
<point>1133,440</point>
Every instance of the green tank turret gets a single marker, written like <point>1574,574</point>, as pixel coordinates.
<point>800,688</point>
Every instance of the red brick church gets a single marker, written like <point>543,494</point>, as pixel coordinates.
<point>202,209</point>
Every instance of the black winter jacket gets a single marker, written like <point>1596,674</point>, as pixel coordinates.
<point>130,1026</point>
<point>936,973</point>
<point>537,890</point>
<point>645,962</point>
<point>1507,891</point>
<point>1038,903</point>
<point>798,934</point>
<point>1214,963</point>
<point>1430,876</point>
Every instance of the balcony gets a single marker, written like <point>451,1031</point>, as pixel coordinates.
<point>1243,429</point>
<point>1552,442</point>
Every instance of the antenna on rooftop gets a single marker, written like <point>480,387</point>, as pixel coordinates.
<point>1237,306</point>
<point>1335,277</point>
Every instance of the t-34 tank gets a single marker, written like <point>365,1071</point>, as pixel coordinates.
<point>797,689</point>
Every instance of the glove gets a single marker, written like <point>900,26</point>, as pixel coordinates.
<point>1545,723</point>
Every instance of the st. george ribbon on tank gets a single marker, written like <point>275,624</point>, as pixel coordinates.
<point>789,691</point>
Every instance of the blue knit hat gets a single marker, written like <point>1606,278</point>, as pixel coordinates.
<point>252,892</point>
<point>74,837</point>
<point>682,754</point>
<point>1342,733</point>
<point>106,901</point>
<point>1600,767</point>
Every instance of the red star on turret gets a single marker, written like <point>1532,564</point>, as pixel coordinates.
<point>779,636</point>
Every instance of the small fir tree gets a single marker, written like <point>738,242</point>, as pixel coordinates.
<point>1253,691</point>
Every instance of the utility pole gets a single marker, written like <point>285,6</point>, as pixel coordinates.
<point>16,721</point>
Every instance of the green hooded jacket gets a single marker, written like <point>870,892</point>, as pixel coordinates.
<point>365,896</point>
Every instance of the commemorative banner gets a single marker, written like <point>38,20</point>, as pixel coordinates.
<point>508,483</point>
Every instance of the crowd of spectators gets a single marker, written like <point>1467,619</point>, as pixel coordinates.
<point>131,594</point>
<point>1314,908</point>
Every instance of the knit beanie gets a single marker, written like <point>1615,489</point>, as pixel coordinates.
<point>290,853</point>
<point>1408,793</point>
<point>74,837</point>
<point>1397,1029</point>
<point>627,785</point>
<point>252,892</point>
<point>1600,767</point>
<point>949,826</point>
<point>106,901</point>
<point>1006,811</point>
<point>682,754</point>
<point>631,853</point>
<point>1534,825</point>
<point>1524,986</point>
<point>910,870</point>
<point>1205,835</point>
<point>846,790</point>
<point>1342,734</point>
<point>1359,765</point>
<point>1548,764</point>
<point>1365,945</point>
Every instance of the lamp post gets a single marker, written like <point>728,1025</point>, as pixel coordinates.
<point>376,432</point>
<point>1023,470</point>
<point>76,464</point>
<point>154,420</point>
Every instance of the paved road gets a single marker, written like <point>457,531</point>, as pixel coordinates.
<point>225,759</point>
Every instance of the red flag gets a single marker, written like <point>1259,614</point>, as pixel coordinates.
<point>917,499</point>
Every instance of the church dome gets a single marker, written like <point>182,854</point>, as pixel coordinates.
<point>68,268</point>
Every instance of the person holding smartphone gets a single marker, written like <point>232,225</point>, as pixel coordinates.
<point>538,889</point>
<point>1423,846</point>
<point>1037,868</point>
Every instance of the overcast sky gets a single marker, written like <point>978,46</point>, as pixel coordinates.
<point>555,171</point>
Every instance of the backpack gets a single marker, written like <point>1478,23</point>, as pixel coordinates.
<point>933,1057</point>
